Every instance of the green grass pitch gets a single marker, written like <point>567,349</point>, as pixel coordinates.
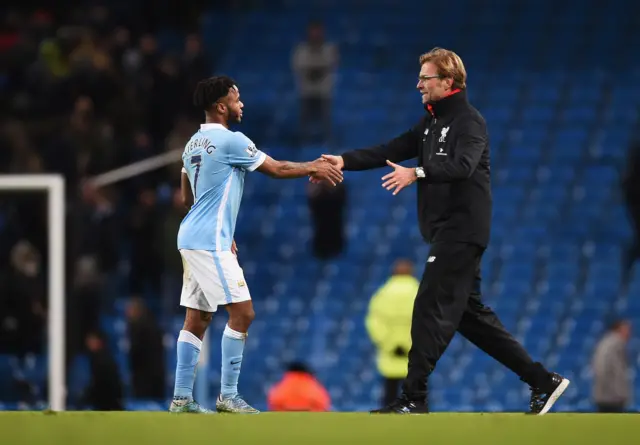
<point>139,428</point>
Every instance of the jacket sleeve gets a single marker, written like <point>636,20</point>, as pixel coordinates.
<point>399,149</point>
<point>466,154</point>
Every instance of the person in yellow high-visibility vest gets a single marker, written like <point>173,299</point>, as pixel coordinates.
<point>389,325</point>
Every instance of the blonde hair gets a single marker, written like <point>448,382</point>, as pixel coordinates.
<point>448,63</point>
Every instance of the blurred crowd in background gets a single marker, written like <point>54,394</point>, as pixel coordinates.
<point>84,89</point>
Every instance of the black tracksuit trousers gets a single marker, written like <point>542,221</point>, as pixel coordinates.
<point>449,300</point>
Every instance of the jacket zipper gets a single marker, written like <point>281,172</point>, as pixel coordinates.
<point>432,144</point>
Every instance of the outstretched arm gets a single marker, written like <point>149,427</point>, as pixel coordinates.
<point>399,149</point>
<point>319,169</point>
<point>244,154</point>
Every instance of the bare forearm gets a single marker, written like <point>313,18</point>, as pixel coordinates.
<point>318,169</point>
<point>291,170</point>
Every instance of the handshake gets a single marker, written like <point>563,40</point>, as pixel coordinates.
<point>327,168</point>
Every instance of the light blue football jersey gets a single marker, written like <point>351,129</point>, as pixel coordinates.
<point>216,160</point>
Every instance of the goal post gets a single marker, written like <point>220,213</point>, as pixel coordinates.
<point>53,186</point>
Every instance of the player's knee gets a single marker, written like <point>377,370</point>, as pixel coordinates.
<point>247,316</point>
<point>241,320</point>
<point>196,329</point>
<point>250,316</point>
<point>197,322</point>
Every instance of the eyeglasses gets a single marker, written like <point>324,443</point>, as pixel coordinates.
<point>435,76</point>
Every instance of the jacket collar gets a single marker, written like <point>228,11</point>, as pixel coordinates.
<point>448,104</point>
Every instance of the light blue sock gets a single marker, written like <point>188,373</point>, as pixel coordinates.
<point>232,347</point>
<point>188,351</point>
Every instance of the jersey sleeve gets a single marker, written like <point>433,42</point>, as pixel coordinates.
<point>244,154</point>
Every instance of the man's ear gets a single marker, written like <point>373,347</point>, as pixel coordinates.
<point>449,81</point>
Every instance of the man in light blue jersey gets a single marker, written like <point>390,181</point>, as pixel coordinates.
<point>216,160</point>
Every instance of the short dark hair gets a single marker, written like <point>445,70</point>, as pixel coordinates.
<point>298,367</point>
<point>210,90</point>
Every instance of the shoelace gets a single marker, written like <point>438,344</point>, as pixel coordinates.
<point>536,397</point>
<point>240,402</point>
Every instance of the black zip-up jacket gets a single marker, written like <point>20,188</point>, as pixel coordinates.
<point>452,145</point>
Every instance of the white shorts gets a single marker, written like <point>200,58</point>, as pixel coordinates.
<point>211,279</point>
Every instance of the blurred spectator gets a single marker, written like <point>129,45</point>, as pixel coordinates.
<point>389,325</point>
<point>612,388</point>
<point>328,212</point>
<point>146,353</point>
<point>83,304</point>
<point>141,62</point>
<point>104,392</point>
<point>22,302</point>
<point>298,391</point>
<point>196,67</point>
<point>145,252</point>
<point>631,191</point>
<point>314,64</point>
<point>166,98</point>
<point>98,228</point>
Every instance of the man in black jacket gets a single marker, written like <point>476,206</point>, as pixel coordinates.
<point>454,210</point>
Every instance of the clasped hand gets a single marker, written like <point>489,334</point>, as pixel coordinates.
<point>325,170</point>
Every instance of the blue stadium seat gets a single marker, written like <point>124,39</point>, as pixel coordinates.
<point>559,125</point>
